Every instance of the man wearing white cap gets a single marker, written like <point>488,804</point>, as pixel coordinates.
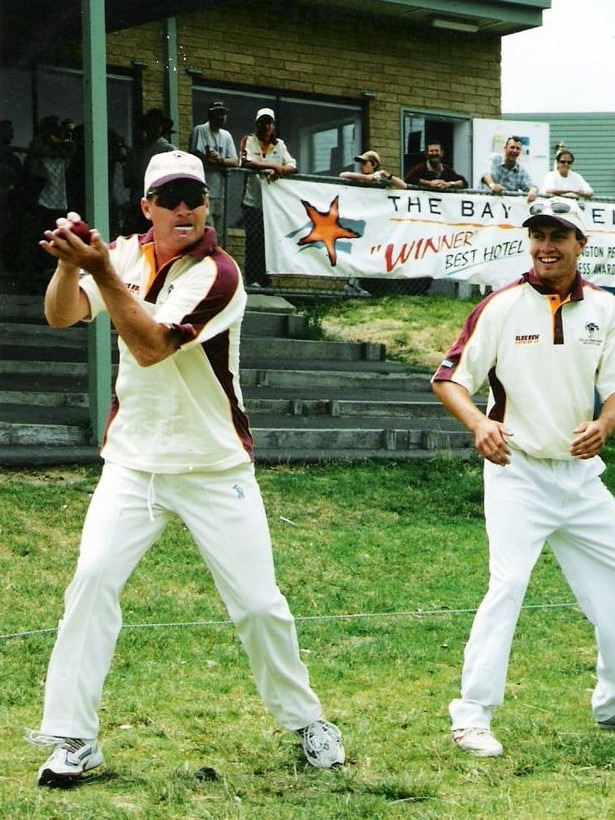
<point>545,343</point>
<point>261,151</point>
<point>214,145</point>
<point>177,443</point>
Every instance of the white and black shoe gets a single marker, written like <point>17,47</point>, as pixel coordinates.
<point>608,724</point>
<point>71,757</point>
<point>322,744</point>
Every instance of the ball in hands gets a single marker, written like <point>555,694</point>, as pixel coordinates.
<point>79,227</point>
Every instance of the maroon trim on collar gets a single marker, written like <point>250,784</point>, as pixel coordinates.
<point>576,292</point>
<point>203,247</point>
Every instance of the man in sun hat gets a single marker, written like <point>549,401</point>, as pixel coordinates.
<point>545,343</point>
<point>214,145</point>
<point>370,172</point>
<point>178,443</point>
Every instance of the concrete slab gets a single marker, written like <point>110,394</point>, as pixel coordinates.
<point>267,303</point>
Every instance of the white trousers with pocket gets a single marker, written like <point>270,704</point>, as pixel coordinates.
<point>226,517</point>
<point>528,502</point>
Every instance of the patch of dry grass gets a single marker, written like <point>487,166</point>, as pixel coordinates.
<point>415,329</point>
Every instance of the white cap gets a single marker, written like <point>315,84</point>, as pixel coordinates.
<point>171,165</point>
<point>560,209</point>
<point>265,112</point>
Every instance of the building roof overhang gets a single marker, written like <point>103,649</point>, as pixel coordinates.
<point>27,33</point>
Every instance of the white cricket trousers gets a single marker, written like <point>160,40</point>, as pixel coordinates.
<point>226,517</point>
<point>528,502</point>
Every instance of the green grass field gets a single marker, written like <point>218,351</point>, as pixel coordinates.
<point>383,566</point>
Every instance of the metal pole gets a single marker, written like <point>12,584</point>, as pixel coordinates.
<point>97,196</point>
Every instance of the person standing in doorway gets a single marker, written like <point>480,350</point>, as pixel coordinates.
<point>435,174</point>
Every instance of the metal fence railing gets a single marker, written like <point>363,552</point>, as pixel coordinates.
<point>24,268</point>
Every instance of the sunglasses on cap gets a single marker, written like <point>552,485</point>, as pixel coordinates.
<point>559,207</point>
<point>188,191</point>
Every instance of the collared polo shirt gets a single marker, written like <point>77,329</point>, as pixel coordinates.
<point>542,358</point>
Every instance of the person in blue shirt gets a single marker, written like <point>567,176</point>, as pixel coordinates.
<point>504,173</point>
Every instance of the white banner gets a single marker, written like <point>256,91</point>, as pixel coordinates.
<point>353,231</point>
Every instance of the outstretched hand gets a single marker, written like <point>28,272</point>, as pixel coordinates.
<point>66,246</point>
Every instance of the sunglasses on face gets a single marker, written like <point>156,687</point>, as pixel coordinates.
<point>169,196</point>
<point>565,161</point>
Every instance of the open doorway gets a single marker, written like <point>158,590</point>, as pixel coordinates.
<point>419,129</point>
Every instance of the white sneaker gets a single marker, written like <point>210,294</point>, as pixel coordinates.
<point>322,744</point>
<point>478,741</point>
<point>71,757</point>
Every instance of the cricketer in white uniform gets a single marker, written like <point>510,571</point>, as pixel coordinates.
<point>177,442</point>
<point>544,344</point>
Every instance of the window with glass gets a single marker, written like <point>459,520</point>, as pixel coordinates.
<point>27,95</point>
<point>323,135</point>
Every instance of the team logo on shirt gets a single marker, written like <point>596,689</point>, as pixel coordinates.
<point>527,338</point>
<point>592,337</point>
<point>164,295</point>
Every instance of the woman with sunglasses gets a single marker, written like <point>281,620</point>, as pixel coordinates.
<point>564,181</point>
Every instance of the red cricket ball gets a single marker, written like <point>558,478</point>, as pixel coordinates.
<point>81,228</point>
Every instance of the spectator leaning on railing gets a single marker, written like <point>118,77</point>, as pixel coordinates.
<point>371,173</point>
<point>564,181</point>
<point>433,173</point>
<point>504,173</point>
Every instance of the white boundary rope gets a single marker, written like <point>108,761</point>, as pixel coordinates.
<point>417,614</point>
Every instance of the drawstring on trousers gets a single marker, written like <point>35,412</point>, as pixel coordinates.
<point>151,497</point>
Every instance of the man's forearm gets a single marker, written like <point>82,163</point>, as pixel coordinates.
<point>148,341</point>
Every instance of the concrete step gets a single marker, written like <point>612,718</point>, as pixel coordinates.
<point>43,434</point>
<point>343,408</point>
<point>359,380</point>
<point>33,341</point>
<point>40,455</point>
<point>384,376</point>
<point>308,400</point>
<point>37,455</point>
<point>336,439</point>
<point>265,315</point>
<point>30,405</point>
<point>286,441</point>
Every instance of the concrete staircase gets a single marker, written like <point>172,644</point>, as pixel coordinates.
<point>308,400</point>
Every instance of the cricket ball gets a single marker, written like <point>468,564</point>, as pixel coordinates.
<point>79,226</point>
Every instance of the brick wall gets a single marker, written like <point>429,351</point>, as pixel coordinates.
<point>332,53</point>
